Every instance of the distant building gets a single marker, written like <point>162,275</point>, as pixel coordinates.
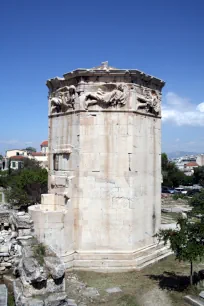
<point>16,161</point>
<point>183,161</point>
<point>189,168</point>
<point>200,160</point>
<point>16,157</point>
<point>44,147</point>
<point>42,156</point>
<point>16,152</point>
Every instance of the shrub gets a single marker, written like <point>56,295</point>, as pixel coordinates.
<point>177,196</point>
<point>39,253</point>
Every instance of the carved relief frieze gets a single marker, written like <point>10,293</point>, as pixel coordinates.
<point>105,95</point>
<point>63,99</point>
<point>148,101</point>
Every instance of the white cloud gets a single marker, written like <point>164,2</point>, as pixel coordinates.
<point>12,141</point>
<point>181,111</point>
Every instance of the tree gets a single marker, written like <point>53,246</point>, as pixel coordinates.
<point>1,157</point>
<point>199,175</point>
<point>26,187</point>
<point>172,176</point>
<point>31,149</point>
<point>164,161</point>
<point>187,241</point>
<point>197,203</point>
<point>29,163</point>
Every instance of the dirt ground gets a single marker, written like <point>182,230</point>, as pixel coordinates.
<point>164,283</point>
<point>170,203</point>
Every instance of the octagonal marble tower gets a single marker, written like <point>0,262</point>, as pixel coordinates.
<point>103,206</point>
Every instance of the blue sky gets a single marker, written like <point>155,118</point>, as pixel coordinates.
<point>44,39</point>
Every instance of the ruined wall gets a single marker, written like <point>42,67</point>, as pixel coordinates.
<point>14,227</point>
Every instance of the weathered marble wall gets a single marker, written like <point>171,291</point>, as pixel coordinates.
<point>104,166</point>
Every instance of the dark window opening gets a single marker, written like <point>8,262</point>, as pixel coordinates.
<point>56,161</point>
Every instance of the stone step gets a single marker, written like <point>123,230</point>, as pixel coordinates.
<point>118,255</point>
<point>144,258</point>
<point>195,301</point>
<point>156,259</point>
<point>151,255</point>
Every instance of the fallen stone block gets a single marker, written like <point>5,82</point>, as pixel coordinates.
<point>5,264</point>
<point>195,301</point>
<point>113,290</point>
<point>55,266</point>
<point>71,302</point>
<point>21,221</point>
<point>91,292</point>
<point>57,299</point>
<point>4,249</point>
<point>2,268</point>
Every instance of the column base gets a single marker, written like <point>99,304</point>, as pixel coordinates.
<point>116,261</point>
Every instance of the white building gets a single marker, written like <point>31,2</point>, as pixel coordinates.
<point>44,147</point>
<point>16,156</point>
<point>183,161</point>
<point>16,152</point>
<point>200,160</point>
<point>189,168</point>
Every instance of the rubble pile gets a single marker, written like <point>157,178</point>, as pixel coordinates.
<point>41,276</point>
<point>10,232</point>
<point>39,272</point>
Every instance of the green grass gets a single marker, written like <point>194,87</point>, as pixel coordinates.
<point>177,196</point>
<point>169,277</point>
<point>39,252</point>
<point>11,300</point>
<point>172,216</point>
<point>127,300</point>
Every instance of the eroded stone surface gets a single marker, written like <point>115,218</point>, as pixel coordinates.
<point>104,169</point>
<point>55,266</point>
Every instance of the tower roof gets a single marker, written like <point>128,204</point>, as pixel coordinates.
<point>103,70</point>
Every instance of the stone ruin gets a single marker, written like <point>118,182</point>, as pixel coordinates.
<point>39,273</point>
<point>104,202</point>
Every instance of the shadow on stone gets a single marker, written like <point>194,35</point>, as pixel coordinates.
<point>59,281</point>
<point>40,285</point>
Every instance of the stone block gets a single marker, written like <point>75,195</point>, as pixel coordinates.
<point>21,221</point>
<point>3,295</point>
<point>55,267</point>
<point>56,299</point>
<point>4,249</point>
<point>47,199</point>
<point>113,290</point>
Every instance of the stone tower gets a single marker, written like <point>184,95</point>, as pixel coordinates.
<point>104,200</point>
